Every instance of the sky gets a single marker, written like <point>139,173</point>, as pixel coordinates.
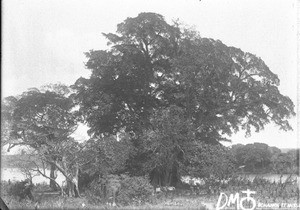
<point>44,41</point>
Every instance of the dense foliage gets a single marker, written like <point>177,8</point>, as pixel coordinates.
<point>20,190</point>
<point>42,120</point>
<point>212,163</point>
<point>169,89</point>
<point>130,190</point>
<point>153,65</point>
<point>260,158</point>
<point>135,190</point>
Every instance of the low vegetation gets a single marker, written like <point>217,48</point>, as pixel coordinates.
<point>137,193</point>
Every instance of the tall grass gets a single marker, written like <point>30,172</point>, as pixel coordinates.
<point>285,190</point>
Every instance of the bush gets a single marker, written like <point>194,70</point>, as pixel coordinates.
<point>85,180</point>
<point>131,190</point>
<point>100,189</point>
<point>94,193</point>
<point>4,187</point>
<point>42,187</point>
<point>21,189</point>
<point>135,190</point>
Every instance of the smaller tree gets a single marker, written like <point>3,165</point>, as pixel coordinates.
<point>7,109</point>
<point>44,120</point>
<point>213,163</point>
<point>255,156</point>
<point>26,166</point>
<point>286,162</point>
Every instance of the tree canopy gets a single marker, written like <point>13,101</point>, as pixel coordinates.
<point>42,119</point>
<point>172,90</point>
<point>261,158</point>
<point>152,64</point>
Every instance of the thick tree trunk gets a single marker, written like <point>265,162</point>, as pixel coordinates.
<point>53,175</point>
<point>166,177</point>
<point>170,177</point>
<point>72,189</point>
<point>72,186</point>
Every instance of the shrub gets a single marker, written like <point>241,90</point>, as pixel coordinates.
<point>94,193</point>
<point>4,187</point>
<point>212,163</point>
<point>101,189</point>
<point>85,180</point>
<point>135,190</point>
<point>42,187</point>
<point>21,190</point>
<point>132,190</point>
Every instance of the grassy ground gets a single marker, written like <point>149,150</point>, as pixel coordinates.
<point>266,192</point>
<point>54,201</point>
<point>45,199</point>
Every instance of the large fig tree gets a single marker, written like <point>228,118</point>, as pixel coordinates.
<point>152,65</point>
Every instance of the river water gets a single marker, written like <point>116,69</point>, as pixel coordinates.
<point>14,174</point>
<point>251,177</point>
<point>270,177</point>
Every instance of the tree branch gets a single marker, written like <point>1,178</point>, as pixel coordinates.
<point>43,174</point>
